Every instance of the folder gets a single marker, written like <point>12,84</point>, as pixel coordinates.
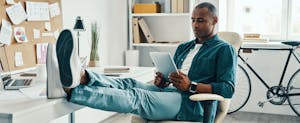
<point>146,30</point>
<point>136,31</point>
<point>180,6</point>
<point>174,6</point>
<point>186,6</point>
<point>167,6</point>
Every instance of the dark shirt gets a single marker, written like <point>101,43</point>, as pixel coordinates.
<point>215,64</point>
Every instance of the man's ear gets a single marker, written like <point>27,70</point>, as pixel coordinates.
<point>215,20</point>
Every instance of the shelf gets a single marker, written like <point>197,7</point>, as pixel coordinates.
<point>160,14</point>
<point>156,44</point>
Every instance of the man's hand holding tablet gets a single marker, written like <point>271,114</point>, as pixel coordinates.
<point>164,64</point>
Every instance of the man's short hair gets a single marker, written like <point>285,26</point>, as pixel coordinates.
<point>211,8</point>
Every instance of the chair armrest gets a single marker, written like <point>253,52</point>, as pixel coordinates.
<point>205,97</point>
<point>210,102</point>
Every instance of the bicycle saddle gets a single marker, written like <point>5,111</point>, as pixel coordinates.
<point>291,43</point>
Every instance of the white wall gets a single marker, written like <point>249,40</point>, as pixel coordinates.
<point>268,64</point>
<point>111,16</point>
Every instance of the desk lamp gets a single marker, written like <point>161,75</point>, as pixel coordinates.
<point>78,27</point>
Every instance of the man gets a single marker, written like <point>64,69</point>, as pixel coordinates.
<point>207,66</point>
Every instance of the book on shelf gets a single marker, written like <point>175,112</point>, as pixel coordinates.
<point>116,70</point>
<point>186,5</point>
<point>174,6</point>
<point>180,6</point>
<point>256,40</point>
<point>167,6</point>
<point>252,35</point>
<point>145,30</point>
<point>136,31</point>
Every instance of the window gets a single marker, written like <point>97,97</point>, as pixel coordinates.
<point>275,19</point>
<point>294,28</point>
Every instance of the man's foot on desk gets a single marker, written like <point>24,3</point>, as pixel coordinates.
<point>68,59</point>
<point>54,86</point>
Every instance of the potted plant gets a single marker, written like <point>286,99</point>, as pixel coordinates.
<point>94,56</point>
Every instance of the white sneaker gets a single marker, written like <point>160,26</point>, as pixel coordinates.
<point>68,59</point>
<point>54,86</point>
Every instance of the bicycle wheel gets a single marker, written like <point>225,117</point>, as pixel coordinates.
<point>293,91</point>
<point>242,90</point>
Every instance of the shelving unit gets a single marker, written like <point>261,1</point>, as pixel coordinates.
<point>164,27</point>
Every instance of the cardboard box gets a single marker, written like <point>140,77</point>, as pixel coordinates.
<point>146,8</point>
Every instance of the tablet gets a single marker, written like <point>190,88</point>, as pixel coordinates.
<point>163,63</point>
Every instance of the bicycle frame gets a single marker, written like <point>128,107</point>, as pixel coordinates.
<point>291,52</point>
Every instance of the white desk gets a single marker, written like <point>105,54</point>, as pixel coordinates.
<point>269,45</point>
<point>27,110</point>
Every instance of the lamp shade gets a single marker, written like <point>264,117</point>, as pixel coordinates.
<point>79,24</point>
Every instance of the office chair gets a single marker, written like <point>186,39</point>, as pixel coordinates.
<point>210,100</point>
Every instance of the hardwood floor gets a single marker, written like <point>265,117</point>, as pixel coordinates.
<point>247,117</point>
<point>238,117</point>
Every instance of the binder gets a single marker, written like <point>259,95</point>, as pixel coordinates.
<point>146,30</point>
<point>136,31</point>
<point>180,6</point>
<point>174,6</point>
<point>186,6</point>
<point>167,6</point>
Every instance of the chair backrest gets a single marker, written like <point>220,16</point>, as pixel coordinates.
<point>233,38</point>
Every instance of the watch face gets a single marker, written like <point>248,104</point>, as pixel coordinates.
<point>193,87</point>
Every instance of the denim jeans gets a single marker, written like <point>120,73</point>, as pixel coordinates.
<point>126,95</point>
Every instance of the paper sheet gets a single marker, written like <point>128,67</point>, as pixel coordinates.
<point>37,11</point>
<point>36,33</point>
<point>19,59</point>
<point>10,2</point>
<point>56,34</point>
<point>16,13</point>
<point>41,52</point>
<point>11,95</point>
<point>54,9</point>
<point>20,34</point>
<point>48,26</point>
<point>6,32</point>
<point>36,91</point>
<point>46,34</point>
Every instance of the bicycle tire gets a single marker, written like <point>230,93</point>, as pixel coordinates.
<point>242,90</point>
<point>292,88</point>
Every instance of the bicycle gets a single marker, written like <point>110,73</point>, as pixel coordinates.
<point>277,94</point>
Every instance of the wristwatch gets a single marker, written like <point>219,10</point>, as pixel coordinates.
<point>193,87</point>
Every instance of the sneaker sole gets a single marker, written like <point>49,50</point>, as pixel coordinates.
<point>65,38</point>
